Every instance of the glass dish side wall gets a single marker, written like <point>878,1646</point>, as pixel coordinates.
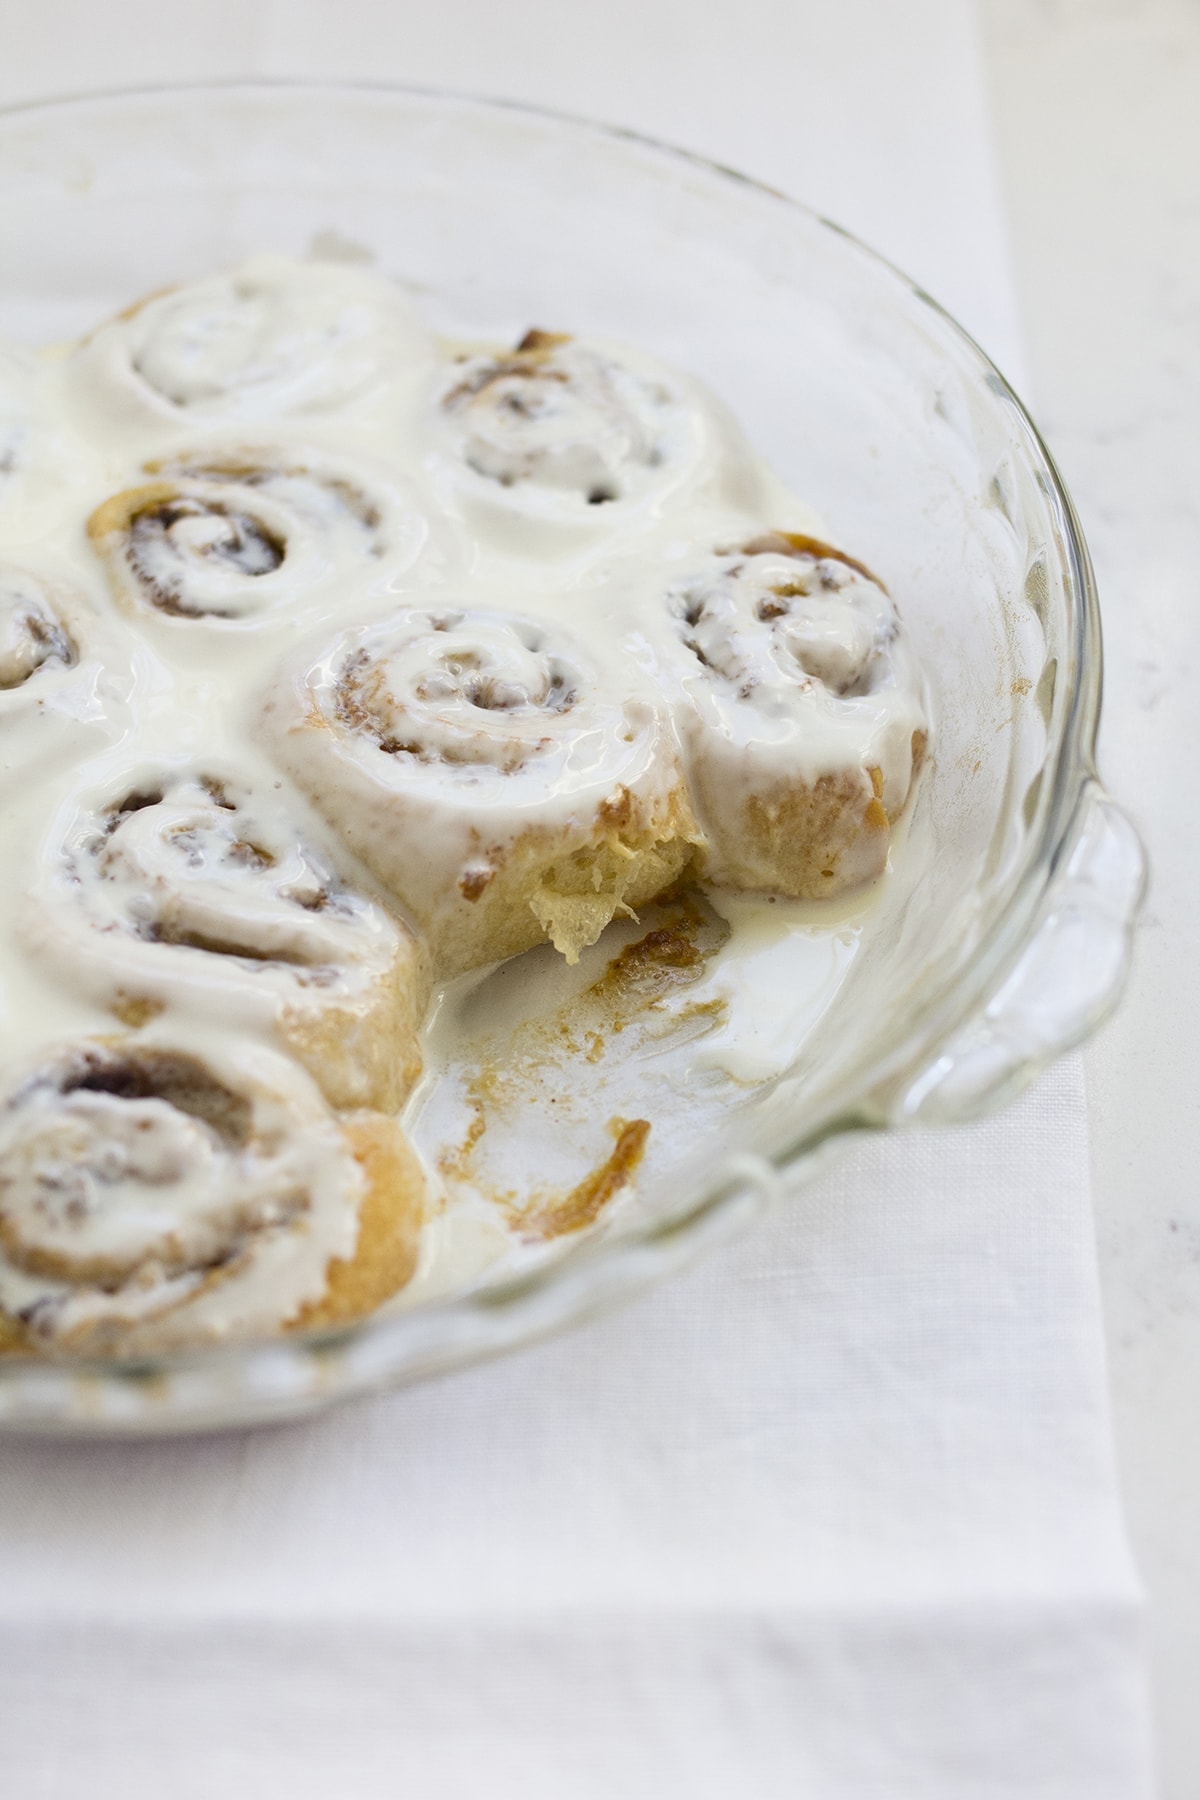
<point>868,401</point>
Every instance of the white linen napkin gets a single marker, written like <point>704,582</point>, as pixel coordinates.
<point>832,1516</point>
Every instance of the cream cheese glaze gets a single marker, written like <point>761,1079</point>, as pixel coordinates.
<point>33,633</point>
<point>560,445</point>
<point>186,888</point>
<point>266,544</point>
<point>143,1196</point>
<point>493,773</point>
<point>271,339</point>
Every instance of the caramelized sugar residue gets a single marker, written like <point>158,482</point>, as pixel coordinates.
<point>551,1062</point>
<point>136,1010</point>
<point>584,1204</point>
<point>674,954</point>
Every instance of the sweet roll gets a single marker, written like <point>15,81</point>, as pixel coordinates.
<point>229,535</point>
<point>563,441</point>
<point>192,888</point>
<point>506,787</point>
<point>803,722</point>
<point>271,339</point>
<point>157,1195</point>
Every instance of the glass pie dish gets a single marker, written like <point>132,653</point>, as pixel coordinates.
<point>1001,935</point>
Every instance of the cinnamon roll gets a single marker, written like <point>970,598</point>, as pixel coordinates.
<point>502,784</point>
<point>804,724</point>
<point>33,633</point>
<point>573,437</point>
<point>64,686</point>
<point>271,339</point>
<point>190,888</point>
<point>231,535</point>
<point>157,1195</point>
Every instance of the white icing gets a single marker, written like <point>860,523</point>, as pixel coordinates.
<point>439,736</point>
<point>570,420</point>
<point>556,527</point>
<point>795,667</point>
<point>197,890</point>
<point>226,535</point>
<point>136,1219</point>
<point>548,450</point>
<point>271,339</point>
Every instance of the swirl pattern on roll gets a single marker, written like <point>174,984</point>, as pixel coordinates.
<point>492,777</point>
<point>64,686</point>
<point>155,1195</point>
<point>804,723</point>
<point>573,440</point>
<point>270,339</point>
<point>188,888</point>
<point>231,535</point>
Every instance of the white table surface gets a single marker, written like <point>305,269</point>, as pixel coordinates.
<point>1098,164</point>
<point>1098,127</point>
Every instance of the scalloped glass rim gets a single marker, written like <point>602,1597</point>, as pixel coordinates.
<point>242,1383</point>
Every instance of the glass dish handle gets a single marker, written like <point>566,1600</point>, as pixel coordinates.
<point>1066,981</point>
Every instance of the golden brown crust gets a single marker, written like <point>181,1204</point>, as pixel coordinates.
<point>365,1052</point>
<point>14,1339</point>
<point>798,543</point>
<point>391,1215</point>
<point>537,340</point>
<point>113,517</point>
<point>362,1050</point>
<point>389,1231</point>
<point>807,841</point>
<point>362,1163</point>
